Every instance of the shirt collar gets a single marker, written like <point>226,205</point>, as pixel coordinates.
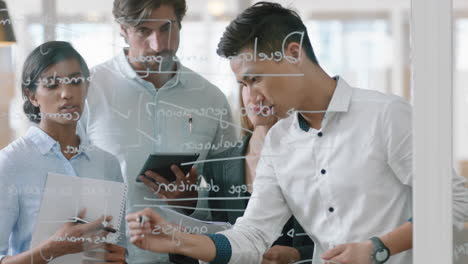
<point>341,97</point>
<point>41,139</point>
<point>128,71</point>
<point>47,144</point>
<point>339,103</point>
<point>303,124</point>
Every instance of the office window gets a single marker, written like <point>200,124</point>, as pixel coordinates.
<point>96,42</point>
<point>359,50</point>
<point>36,33</point>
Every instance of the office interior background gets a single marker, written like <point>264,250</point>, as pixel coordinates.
<point>365,41</point>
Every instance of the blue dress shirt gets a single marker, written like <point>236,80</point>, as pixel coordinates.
<point>24,165</point>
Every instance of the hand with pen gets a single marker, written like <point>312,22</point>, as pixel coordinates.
<point>185,186</point>
<point>86,237</point>
<point>74,237</point>
<point>149,231</point>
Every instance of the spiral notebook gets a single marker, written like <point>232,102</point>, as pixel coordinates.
<point>64,196</point>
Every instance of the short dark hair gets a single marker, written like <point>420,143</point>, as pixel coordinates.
<point>270,23</point>
<point>132,12</point>
<point>37,62</point>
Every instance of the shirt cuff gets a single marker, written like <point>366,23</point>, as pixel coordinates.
<point>223,248</point>
<point>411,220</point>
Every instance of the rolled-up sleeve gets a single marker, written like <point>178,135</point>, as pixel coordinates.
<point>398,136</point>
<point>399,145</point>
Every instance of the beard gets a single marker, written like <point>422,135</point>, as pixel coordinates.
<point>163,62</point>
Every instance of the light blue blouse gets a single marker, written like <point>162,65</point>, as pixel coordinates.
<point>24,165</point>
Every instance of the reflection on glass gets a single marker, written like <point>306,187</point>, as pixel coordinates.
<point>360,50</point>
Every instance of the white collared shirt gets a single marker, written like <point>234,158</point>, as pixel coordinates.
<point>128,117</point>
<point>347,182</point>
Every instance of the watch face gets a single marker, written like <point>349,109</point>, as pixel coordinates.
<point>381,255</point>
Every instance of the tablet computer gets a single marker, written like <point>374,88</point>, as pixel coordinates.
<point>161,163</point>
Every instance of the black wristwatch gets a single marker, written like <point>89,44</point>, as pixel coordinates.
<point>381,253</point>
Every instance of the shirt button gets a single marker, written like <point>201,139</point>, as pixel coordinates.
<point>331,209</point>
<point>323,171</point>
<point>320,134</point>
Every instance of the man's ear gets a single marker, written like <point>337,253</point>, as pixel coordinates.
<point>32,98</point>
<point>293,53</point>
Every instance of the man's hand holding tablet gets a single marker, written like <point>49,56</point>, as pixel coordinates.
<point>183,186</point>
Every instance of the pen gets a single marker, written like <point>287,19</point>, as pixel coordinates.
<point>142,219</point>
<point>190,120</point>
<point>82,221</point>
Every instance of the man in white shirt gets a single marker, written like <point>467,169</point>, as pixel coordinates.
<point>144,101</point>
<point>341,162</point>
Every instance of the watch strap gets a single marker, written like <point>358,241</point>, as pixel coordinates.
<point>379,247</point>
